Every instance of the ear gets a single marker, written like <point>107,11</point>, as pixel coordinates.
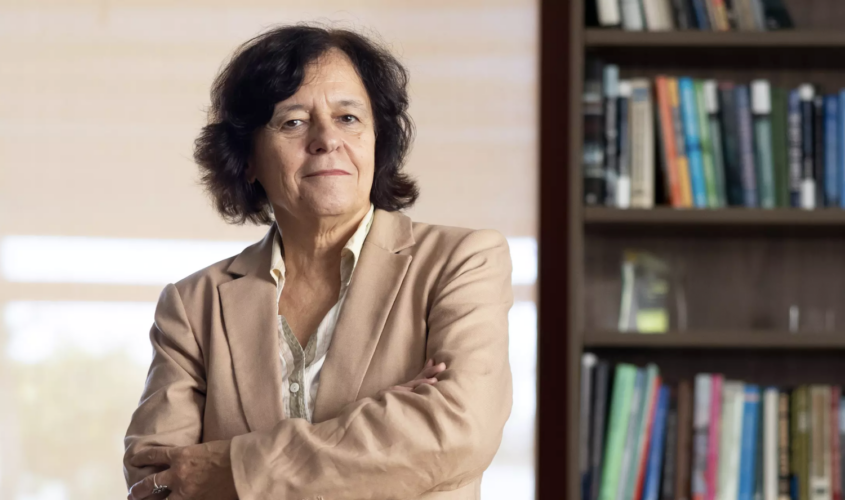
<point>250,171</point>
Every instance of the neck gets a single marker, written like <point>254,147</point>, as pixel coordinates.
<point>315,243</point>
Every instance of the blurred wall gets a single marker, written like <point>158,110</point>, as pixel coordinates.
<point>100,204</point>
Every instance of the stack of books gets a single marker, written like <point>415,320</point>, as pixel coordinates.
<point>693,143</point>
<point>708,15</point>
<point>710,438</point>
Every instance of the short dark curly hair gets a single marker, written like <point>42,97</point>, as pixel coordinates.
<point>270,68</point>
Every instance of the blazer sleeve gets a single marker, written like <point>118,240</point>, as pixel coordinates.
<point>438,437</point>
<point>172,403</point>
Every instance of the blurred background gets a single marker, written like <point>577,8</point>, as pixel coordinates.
<point>100,204</point>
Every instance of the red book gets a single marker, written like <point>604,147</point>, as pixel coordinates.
<point>667,132</point>
<point>652,406</point>
<point>836,457</point>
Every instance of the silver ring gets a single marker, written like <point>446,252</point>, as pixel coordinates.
<point>158,488</point>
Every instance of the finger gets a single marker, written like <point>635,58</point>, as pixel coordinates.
<point>429,363</point>
<point>158,455</point>
<point>144,488</point>
<point>413,384</point>
<point>431,371</point>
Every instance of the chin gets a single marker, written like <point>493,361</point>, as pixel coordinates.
<point>333,204</point>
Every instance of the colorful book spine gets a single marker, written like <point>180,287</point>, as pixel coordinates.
<point>617,429</point>
<point>808,172</point>
<point>611,133</point>
<point>667,132</point>
<point>655,454</point>
<point>796,152</point>
<point>831,151</point>
<point>780,149</point>
<point>746,146</point>
<point>713,441</point>
<point>711,107</point>
<point>631,436</point>
<point>640,459</point>
<point>684,176</point>
<point>689,110</point>
<point>706,146</point>
<point>701,427</point>
<point>748,457</point>
<point>761,107</point>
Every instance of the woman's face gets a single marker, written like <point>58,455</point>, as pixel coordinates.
<point>316,156</point>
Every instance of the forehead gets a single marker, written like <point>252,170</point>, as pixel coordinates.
<point>332,72</point>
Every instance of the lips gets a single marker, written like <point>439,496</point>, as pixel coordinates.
<point>326,173</point>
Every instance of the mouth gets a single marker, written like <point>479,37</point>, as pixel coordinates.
<point>326,173</point>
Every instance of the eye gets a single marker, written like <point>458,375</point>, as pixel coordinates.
<point>348,119</point>
<point>292,124</point>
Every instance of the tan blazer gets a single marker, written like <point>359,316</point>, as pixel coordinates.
<point>418,291</point>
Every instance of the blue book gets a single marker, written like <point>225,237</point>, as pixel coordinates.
<point>747,455</point>
<point>651,489</point>
<point>746,147</point>
<point>689,112</point>
<point>702,20</point>
<point>831,151</point>
<point>840,141</point>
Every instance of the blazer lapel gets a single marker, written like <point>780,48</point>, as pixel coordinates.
<point>249,314</point>
<point>374,286</point>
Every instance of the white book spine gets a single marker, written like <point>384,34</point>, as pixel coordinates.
<point>642,145</point>
<point>653,16</point>
<point>632,15</point>
<point>736,441</point>
<point>588,362</point>
<point>724,481</point>
<point>701,426</point>
<point>609,14</point>
<point>770,444</point>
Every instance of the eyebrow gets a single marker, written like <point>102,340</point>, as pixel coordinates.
<point>347,103</point>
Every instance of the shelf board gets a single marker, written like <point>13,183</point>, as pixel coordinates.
<point>752,339</point>
<point>674,39</point>
<point>718,217</point>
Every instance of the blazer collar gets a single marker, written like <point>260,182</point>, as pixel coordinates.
<point>250,309</point>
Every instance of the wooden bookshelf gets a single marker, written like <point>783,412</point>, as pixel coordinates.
<point>744,267</point>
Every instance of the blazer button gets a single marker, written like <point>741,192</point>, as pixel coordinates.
<point>294,388</point>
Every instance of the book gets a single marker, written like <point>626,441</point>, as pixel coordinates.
<point>627,468</point>
<point>770,452</point>
<point>784,438</point>
<point>681,161</point>
<point>699,9</point>
<point>593,154</point>
<point>689,111</point>
<point>730,127</point>
<point>776,16</point>
<point>706,146</point>
<point>656,19</point>
<point>632,15</point>
<point>835,450</point>
<point>819,429</point>
<point>683,14</point>
<point>841,149</point>
<point>796,152</point>
<point>841,425</point>
<point>799,437</point>
<point>683,467</point>
<point>600,391</point>
<point>701,428</point>
<point>757,493</point>
<point>746,147</point>
<point>714,434</point>
<point>640,457</point>
<point>745,15</point>
<point>670,449</point>
<point>808,172</point>
<point>733,405</point>
<point>611,128</point>
<point>623,180</point>
<point>588,363</point>
<point>617,429</point>
<point>667,132</point>
<point>655,452</point>
<point>780,150</point>
<point>761,106</point>
<point>759,16</point>
<point>819,150</point>
<point>711,107</point>
<point>609,14</point>
<point>831,151</point>
<point>642,144</point>
<point>747,467</point>
<point>721,16</point>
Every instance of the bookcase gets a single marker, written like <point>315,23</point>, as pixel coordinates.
<point>743,268</point>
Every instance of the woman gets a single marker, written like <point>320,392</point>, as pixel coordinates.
<point>271,377</point>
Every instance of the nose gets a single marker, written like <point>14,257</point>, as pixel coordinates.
<point>325,137</point>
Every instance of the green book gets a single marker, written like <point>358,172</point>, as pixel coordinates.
<point>651,374</point>
<point>617,429</point>
<point>780,147</point>
<point>711,103</point>
<point>706,146</point>
<point>761,109</point>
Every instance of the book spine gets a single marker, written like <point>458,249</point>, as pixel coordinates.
<point>588,363</point>
<point>831,160</point>
<point>642,145</point>
<point>706,146</point>
<point>685,441</point>
<point>632,435</point>
<point>770,453</point>
<point>783,447</point>
<point>682,14</point>
<point>667,132</point>
<point>721,16</point>
<point>749,444</point>
<point>819,150</point>
<point>682,162</point>
<point>593,154</point>
<point>713,437</point>
<point>632,15</point>
<point>840,156</point>
<point>620,409</point>
<point>759,464</point>
<point>759,17</point>
<point>796,152</point>
<point>653,15</point>
<point>819,443</point>
<point>623,181</point>
<point>701,428</point>
<point>644,434</point>
<point>655,452</point>
<point>735,450</point>
<point>602,376</point>
<point>669,472</point>
<point>761,107</point>
<point>733,168</point>
<point>711,101</point>
<point>801,448</point>
<point>689,110</point>
<point>780,151</point>
<point>835,451</point>
<point>746,147</point>
<point>727,487</point>
<point>808,172</point>
<point>609,14</point>
<point>611,132</point>
<point>702,20</point>
<point>841,425</point>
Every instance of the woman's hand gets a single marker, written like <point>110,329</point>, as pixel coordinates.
<point>425,377</point>
<point>196,471</point>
